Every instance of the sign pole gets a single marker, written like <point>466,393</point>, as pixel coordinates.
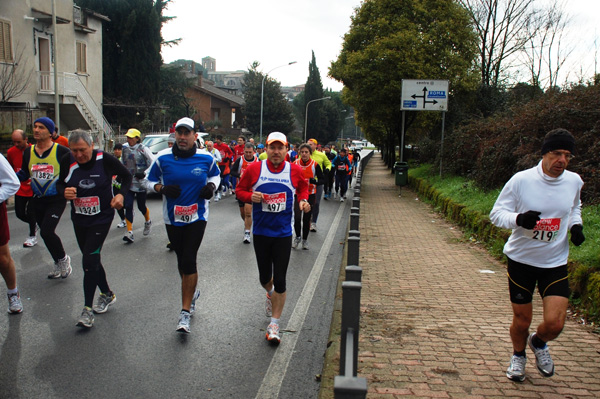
<point>442,149</point>
<point>402,138</point>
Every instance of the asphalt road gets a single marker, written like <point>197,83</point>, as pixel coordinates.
<point>133,350</point>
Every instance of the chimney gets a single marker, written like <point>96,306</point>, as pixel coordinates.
<point>200,79</point>
<point>193,67</point>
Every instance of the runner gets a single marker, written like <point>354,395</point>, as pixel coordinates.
<point>311,171</point>
<point>86,177</point>
<point>136,158</point>
<point>342,166</point>
<point>237,170</point>
<point>328,175</point>
<point>238,152</point>
<point>23,203</point>
<point>118,152</point>
<point>187,178</point>
<point>58,139</point>
<point>42,164</point>
<point>541,205</point>
<point>325,165</point>
<point>9,185</point>
<point>226,155</point>
<point>260,150</point>
<point>270,185</point>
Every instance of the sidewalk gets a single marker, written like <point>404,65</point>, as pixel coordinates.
<point>435,310</point>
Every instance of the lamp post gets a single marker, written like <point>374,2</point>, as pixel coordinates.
<point>342,139</point>
<point>306,113</point>
<point>262,95</point>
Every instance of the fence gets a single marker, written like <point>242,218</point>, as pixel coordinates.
<point>348,385</point>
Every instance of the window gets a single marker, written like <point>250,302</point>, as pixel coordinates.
<point>81,58</point>
<point>6,54</point>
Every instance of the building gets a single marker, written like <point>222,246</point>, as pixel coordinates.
<point>229,81</point>
<point>28,42</point>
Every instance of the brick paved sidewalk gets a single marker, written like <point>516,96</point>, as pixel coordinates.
<point>434,320</point>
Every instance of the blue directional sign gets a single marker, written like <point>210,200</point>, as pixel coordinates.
<point>424,95</point>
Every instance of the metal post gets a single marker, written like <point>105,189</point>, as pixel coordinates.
<point>306,113</point>
<point>262,95</point>
<point>353,250</point>
<point>442,149</point>
<point>354,215</point>
<point>350,320</point>
<point>356,202</point>
<point>353,273</point>
<point>54,55</point>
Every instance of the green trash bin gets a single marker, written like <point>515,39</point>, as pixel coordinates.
<point>401,171</point>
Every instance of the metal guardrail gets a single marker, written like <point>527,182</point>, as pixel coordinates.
<point>348,385</point>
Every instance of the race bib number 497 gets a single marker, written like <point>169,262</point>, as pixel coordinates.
<point>545,230</point>
<point>274,202</point>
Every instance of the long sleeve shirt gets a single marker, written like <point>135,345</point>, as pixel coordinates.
<point>9,183</point>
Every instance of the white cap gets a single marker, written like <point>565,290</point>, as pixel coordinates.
<point>188,123</point>
<point>277,136</point>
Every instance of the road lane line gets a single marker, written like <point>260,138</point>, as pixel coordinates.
<point>273,379</point>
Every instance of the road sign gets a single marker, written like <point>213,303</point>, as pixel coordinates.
<point>424,95</point>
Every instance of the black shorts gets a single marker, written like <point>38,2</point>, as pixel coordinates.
<point>523,278</point>
<point>242,203</point>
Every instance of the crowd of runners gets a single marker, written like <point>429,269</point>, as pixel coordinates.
<point>277,187</point>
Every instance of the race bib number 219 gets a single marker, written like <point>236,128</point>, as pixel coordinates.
<point>545,230</point>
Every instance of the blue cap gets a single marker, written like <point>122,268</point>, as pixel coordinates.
<point>260,146</point>
<point>44,120</point>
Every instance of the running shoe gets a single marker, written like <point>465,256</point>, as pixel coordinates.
<point>543,361</point>
<point>313,227</point>
<point>147,227</point>
<point>230,191</point>
<point>296,242</point>
<point>128,237</point>
<point>65,267</point>
<point>86,319</point>
<point>304,244</point>
<point>30,242</point>
<point>14,303</point>
<point>184,322</point>
<point>273,334</point>
<point>194,299</point>
<point>341,199</point>
<point>325,197</point>
<point>218,196</point>
<point>247,238</point>
<point>516,369</point>
<point>268,306</point>
<point>56,272</point>
<point>122,224</point>
<point>104,301</point>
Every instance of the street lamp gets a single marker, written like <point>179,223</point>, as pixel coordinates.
<point>262,95</point>
<point>342,139</point>
<point>306,113</point>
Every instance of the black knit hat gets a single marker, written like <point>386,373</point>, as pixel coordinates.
<point>558,139</point>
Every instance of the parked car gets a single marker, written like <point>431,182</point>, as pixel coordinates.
<point>156,142</point>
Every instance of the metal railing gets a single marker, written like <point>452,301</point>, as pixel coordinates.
<point>348,385</point>
<point>70,85</point>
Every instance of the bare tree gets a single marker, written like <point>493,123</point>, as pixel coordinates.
<point>545,54</point>
<point>502,29</point>
<point>14,78</point>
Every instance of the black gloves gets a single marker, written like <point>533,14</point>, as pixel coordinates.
<point>528,219</point>
<point>207,191</point>
<point>313,181</point>
<point>139,175</point>
<point>577,237</point>
<point>171,190</point>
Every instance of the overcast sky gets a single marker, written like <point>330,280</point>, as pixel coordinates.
<point>275,32</point>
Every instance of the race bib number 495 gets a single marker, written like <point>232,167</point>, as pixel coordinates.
<point>545,230</point>
<point>274,202</point>
<point>186,214</point>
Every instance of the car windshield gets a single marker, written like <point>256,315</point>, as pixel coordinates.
<point>150,141</point>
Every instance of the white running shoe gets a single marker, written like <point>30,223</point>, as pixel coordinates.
<point>122,224</point>
<point>218,196</point>
<point>30,242</point>
<point>304,244</point>
<point>128,237</point>
<point>341,199</point>
<point>65,267</point>
<point>313,227</point>
<point>184,322</point>
<point>14,303</point>
<point>86,319</point>
<point>296,242</point>
<point>56,272</point>
<point>516,369</point>
<point>273,334</point>
<point>147,227</point>
<point>543,360</point>
<point>247,239</point>
<point>103,302</point>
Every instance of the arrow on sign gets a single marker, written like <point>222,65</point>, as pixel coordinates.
<point>414,96</point>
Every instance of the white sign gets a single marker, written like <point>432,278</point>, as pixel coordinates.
<point>424,95</point>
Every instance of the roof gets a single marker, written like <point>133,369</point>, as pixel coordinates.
<point>233,100</point>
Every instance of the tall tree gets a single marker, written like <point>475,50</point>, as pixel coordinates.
<point>277,112</point>
<point>392,40</point>
<point>14,78</point>
<point>313,89</point>
<point>132,40</point>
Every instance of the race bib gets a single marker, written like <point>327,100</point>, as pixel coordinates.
<point>274,203</point>
<point>342,167</point>
<point>545,230</point>
<point>42,172</point>
<point>87,205</point>
<point>186,214</point>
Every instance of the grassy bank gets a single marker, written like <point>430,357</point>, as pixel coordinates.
<point>464,203</point>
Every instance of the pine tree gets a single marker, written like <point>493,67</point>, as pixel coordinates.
<point>314,90</point>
